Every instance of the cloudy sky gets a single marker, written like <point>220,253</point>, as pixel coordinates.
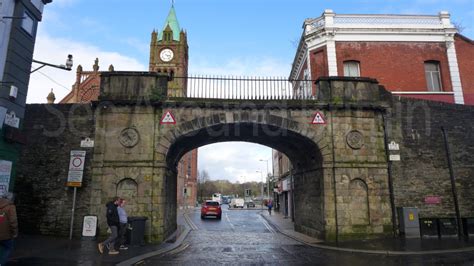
<point>225,37</point>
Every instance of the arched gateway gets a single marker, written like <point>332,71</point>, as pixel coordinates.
<point>343,152</point>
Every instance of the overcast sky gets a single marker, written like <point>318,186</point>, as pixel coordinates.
<point>225,37</point>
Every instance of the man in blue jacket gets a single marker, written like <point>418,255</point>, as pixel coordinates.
<point>113,222</point>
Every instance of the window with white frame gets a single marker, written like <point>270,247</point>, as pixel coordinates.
<point>351,69</point>
<point>433,77</point>
<point>307,83</point>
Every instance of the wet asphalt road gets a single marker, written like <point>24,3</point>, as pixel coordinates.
<point>243,237</point>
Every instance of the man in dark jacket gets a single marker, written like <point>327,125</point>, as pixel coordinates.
<point>8,226</point>
<point>113,222</point>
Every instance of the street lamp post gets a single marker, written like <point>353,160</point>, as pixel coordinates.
<point>67,67</point>
<point>268,187</point>
<point>261,174</point>
<point>243,178</point>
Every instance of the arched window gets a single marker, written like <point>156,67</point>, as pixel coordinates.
<point>433,77</point>
<point>351,69</point>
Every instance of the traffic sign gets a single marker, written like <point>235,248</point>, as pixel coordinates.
<point>77,160</point>
<point>76,168</point>
<point>318,119</point>
<point>74,179</point>
<point>168,119</point>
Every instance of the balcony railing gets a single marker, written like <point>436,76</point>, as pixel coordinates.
<point>247,88</point>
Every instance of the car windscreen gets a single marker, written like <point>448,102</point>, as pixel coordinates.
<point>212,203</point>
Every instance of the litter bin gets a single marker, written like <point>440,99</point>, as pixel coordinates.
<point>468,224</point>
<point>136,230</point>
<point>429,227</point>
<point>448,227</point>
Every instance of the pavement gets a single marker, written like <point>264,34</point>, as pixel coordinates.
<point>45,250</point>
<point>388,246</point>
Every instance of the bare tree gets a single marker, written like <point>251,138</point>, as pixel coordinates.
<point>203,176</point>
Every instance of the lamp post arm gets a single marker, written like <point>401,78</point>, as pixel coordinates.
<point>48,64</point>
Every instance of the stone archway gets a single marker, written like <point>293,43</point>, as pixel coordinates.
<point>298,143</point>
<point>350,143</point>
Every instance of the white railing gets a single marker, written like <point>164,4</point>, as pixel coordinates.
<point>331,19</point>
<point>387,20</point>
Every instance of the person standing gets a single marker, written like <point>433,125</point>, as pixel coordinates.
<point>270,206</point>
<point>8,226</point>
<point>114,223</point>
<point>123,218</point>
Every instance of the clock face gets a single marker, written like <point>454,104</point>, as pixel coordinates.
<point>166,54</point>
<point>129,137</point>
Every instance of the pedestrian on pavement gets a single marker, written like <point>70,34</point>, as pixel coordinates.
<point>269,206</point>
<point>123,218</point>
<point>113,222</point>
<point>8,226</point>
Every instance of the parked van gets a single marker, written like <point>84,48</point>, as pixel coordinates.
<point>237,203</point>
<point>217,197</point>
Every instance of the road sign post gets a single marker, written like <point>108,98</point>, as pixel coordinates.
<point>74,179</point>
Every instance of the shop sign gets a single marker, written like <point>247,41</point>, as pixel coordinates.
<point>5,174</point>
<point>432,199</point>
<point>12,120</point>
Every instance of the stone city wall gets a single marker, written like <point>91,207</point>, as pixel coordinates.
<point>44,202</point>
<point>422,178</point>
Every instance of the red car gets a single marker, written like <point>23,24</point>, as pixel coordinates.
<point>211,208</point>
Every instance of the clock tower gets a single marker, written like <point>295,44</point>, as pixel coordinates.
<point>169,54</point>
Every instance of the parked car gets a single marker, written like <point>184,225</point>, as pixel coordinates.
<point>211,208</point>
<point>250,204</point>
<point>237,203</point>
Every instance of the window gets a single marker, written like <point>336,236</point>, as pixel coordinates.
<point>27,23</point>
<point>351,69</point>
<point>433,78</point>
<point>167,36</point>
<point>307,82</point>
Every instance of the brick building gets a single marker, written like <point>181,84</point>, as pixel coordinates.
<point>168,54</point>
<point>415,56</point>
<point>421,57</point>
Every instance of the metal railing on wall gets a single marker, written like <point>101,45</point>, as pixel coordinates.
<point>247,88</point>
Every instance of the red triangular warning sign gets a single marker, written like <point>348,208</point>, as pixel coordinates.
<point>318,119</point>
<point>167,119</point>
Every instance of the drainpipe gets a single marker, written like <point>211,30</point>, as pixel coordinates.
<point>389,172</point>
<point>453,183</point>
<point>293,206</point>
<point>334,174</point>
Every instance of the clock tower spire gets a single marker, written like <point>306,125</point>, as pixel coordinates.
<point>169,53</point>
